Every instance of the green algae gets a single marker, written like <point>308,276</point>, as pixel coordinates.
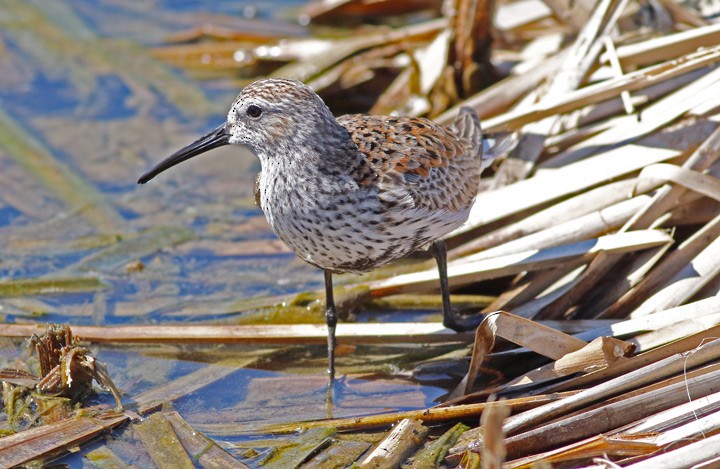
<point>303,308</point>
<point>433,454</point>
<point>161,442</point>
<point>104,458</point>
<point>50,286</point>
<point>307,444</point>
<point>129,249</point>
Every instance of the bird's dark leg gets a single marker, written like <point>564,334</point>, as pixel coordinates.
<point>331,320</point>
<point>451,317</point>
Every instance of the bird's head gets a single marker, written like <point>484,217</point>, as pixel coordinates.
<point>267,114</point>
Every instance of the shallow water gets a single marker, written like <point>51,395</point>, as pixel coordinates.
<point>85,109</point>
<point>104,120</point>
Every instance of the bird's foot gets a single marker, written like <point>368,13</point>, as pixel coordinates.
<point>452,319</point>
<point>334,392</point>
<point>330,397</point>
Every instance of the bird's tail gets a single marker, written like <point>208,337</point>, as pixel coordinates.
<point>467,127</point>
<point>497,145</point>
<point>490,147</point>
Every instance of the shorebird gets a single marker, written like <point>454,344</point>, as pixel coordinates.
<point>353,193</point>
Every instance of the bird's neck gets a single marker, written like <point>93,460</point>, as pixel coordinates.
<point>304,173</point>
<point>319,155</point>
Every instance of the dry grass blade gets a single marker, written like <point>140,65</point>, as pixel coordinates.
<point>654,116</point>
<point>605,90</point>
<point>343,49</point>
<point>675,418</point>
<point>568,180</point>
<point>678,346</point>
<point>618,71</point>
<point>599,445</point>
<point>427,416</point>
<point>331,11</point>
<point>697,310</point>
<point>402,441</point>
<point>688,281</point>
<point>161,442</point>
<point>156,397</point>
<point>581,57</point>
<point>704,184</point>
<point>595,200</point>
<point>706,450</point>
<point>702,159</point>
<point>609,416</point>
<point>494,450</point>
<point>500,96</point>
<point>469,271</point>
<point>581,285</point>
<point>660,48</point>
<point>588,226</point>
<point>695,429</point>
<point>632,380</point>
<point>571,354</point>
<point>50,440</point>
<point>680,329</point>
<point>601,353</point>
<point>665,270</point>
<point>534,336</point>
<point>290,333</point>
<point>200,447</point>
<point>483,344</point>
<point>531,285</point>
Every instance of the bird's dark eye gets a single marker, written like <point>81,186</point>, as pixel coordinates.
<point>254,111</point>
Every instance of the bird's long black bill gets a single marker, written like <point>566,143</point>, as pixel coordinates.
<point>214,139</point>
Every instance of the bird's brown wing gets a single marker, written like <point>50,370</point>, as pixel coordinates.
<point>414,159</point>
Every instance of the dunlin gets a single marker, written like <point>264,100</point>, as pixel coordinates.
<point>353,193</point>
